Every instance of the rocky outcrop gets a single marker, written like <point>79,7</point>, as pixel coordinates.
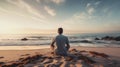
<point>24,39</point>
<point>109,38</point>
<point>97,39</point>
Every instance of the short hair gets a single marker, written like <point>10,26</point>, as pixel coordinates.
<point>60,30</point>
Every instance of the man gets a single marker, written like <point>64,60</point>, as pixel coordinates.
<point>62,44</point>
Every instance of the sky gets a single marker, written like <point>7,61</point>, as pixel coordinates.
<point>45,16</point>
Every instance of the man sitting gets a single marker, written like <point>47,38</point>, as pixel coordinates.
<point>62,44</point>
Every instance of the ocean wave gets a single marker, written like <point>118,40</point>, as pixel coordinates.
<point>80,40</point>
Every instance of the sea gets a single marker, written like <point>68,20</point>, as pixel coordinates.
<point>84,39</point>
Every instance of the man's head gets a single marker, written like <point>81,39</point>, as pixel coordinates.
<point>60,30</point>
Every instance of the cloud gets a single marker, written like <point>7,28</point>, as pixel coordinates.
<point>88,5</point>
<point>81,16</point>
<point>48,1</point>
<point>92,6</point>
<point>91,10</point>
<point>25,6</point>
<point>97,3</point>
<point>50,11</point>
<point>57,1</point>
<point>38,1</point>
<point>79,21</point>
<point>78,18</point>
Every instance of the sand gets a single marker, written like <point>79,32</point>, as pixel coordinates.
<point>79,57</point>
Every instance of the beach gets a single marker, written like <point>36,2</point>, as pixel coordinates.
<point>98,57</point>
<point>59,33</point>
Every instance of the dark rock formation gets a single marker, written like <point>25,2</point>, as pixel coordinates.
<point>117,38</point>
<point>109,38</point>
<point>97,39</point>
<point>24,39</point>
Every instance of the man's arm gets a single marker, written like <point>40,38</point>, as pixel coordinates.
<point>52,44</point>
<point>67,44</point>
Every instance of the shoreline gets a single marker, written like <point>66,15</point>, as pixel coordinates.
<point>23,47</point>
<point>44,47</point>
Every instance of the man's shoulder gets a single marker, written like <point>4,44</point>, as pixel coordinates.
<point>57,36</point>
<point>61,36</point>
<point>65,36</point>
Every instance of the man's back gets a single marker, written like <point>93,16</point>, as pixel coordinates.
<point>61,42</point>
